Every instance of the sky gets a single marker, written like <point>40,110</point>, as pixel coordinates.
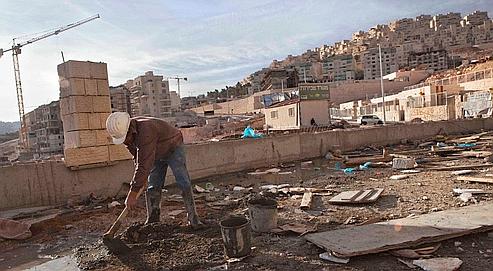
<point>212,42</point>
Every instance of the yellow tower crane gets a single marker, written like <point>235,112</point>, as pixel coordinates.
<point>16,51</point>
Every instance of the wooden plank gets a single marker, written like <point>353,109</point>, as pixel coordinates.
<point>475,179</point>
<point>405,232</point>
<point>357,197</point>
<point>306,201</point>
<point>451,168</point>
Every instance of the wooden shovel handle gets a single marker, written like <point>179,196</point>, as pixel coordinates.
<point>118,222</point>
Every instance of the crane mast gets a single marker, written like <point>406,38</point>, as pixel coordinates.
<point>16,51</point>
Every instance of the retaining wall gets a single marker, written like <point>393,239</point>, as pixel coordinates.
<point>50,182</point>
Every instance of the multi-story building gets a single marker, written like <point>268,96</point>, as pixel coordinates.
<point>429,60</point>
<point>475,18</point>
<point>45,130</point>
<point>445,20</point>
<point>120,99</point>
<point>280,79</point>
<point>338,68</point>
<point>371,62</point>
<point>149,96</point>
<point>175,101</point>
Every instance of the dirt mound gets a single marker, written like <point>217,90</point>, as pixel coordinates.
<point>157,246</point>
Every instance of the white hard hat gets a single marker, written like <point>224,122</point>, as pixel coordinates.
<point>117,125</point>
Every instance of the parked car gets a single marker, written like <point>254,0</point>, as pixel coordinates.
<point>369,119</point>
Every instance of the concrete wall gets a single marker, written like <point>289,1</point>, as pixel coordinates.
<point>430,113</point>
<point>484,84</point>
<point>50,182</point>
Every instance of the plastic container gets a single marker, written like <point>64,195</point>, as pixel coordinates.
<point>263,214</point>
<point>236,233</point>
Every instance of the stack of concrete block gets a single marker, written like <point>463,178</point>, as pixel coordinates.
<point>85,105</point>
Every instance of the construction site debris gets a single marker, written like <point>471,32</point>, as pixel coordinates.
<point>465,197</point>
<point>405,232</point>
<point>416,253</point>
<point>462,172</point>
<point>114,204</point>
<point>468,190</point>
<point>249,132</point>
<point>199,189</point>
<point>410,171</point>
<point>329,257</point>
<point>398,177</point>
<point>11,229</point>
<point>404,163</point>
<point>263,214</point>
<point>357,196</point>
<point>306,201</point>
<point>461,167</point>
<point>439,264</point>
<point>298,228</point>
<point>475,179</point>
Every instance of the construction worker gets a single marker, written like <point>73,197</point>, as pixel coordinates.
<point>155,145</point>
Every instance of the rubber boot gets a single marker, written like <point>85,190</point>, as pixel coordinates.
<point>193,218</point>
<point>153,204</point>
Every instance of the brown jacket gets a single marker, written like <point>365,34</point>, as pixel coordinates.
<point>152,139</point>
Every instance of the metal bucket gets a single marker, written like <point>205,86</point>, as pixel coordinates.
<point>236,235</point>
<point>263,214</point>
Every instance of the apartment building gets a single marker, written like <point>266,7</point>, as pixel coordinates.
<point>445,20</point>
<point>120,99</point>
<point>280,79</point>
<point>430,60</point>
<point>149,96</point>
<point>338,68</point>
<point>371,62</point>
<point>45,130</point>
<point>475,18</point>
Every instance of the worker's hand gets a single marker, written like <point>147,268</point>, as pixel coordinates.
<point>131,201</point>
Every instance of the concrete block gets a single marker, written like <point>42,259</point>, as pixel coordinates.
<point>83,138</point>
<point>76,121</point>
<point>103,87</point>
<point>102,137</point>
<point>98,70</point>
<point>74,69</point>
<point>72,87</point>
<point>101,104</point>
<point>86,156</point>
<point>119,152</point>
<point>80,104</point>
<point>64,106</point>
<point>94,121</point>
<point>102,118</point>
<point>91,86</point>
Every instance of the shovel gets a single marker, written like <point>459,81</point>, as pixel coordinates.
<point>116,245</point>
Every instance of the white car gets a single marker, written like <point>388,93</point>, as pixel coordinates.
<point>369,119</point>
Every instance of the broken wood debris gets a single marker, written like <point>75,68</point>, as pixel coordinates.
<point>439,264</point>
<point>357,196</point>
<point>306,201</point>
<point>475,179</point>
<point>416,253</point>
<point>451,168</point>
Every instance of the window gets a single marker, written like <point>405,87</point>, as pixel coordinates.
<point>291,112</point>
<point>273,114</point>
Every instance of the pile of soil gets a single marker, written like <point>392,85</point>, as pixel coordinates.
<point>157,246</point>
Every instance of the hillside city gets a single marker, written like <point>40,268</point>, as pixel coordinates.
<point>372,153</point>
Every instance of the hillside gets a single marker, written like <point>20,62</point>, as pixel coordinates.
<point>8,127</point>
